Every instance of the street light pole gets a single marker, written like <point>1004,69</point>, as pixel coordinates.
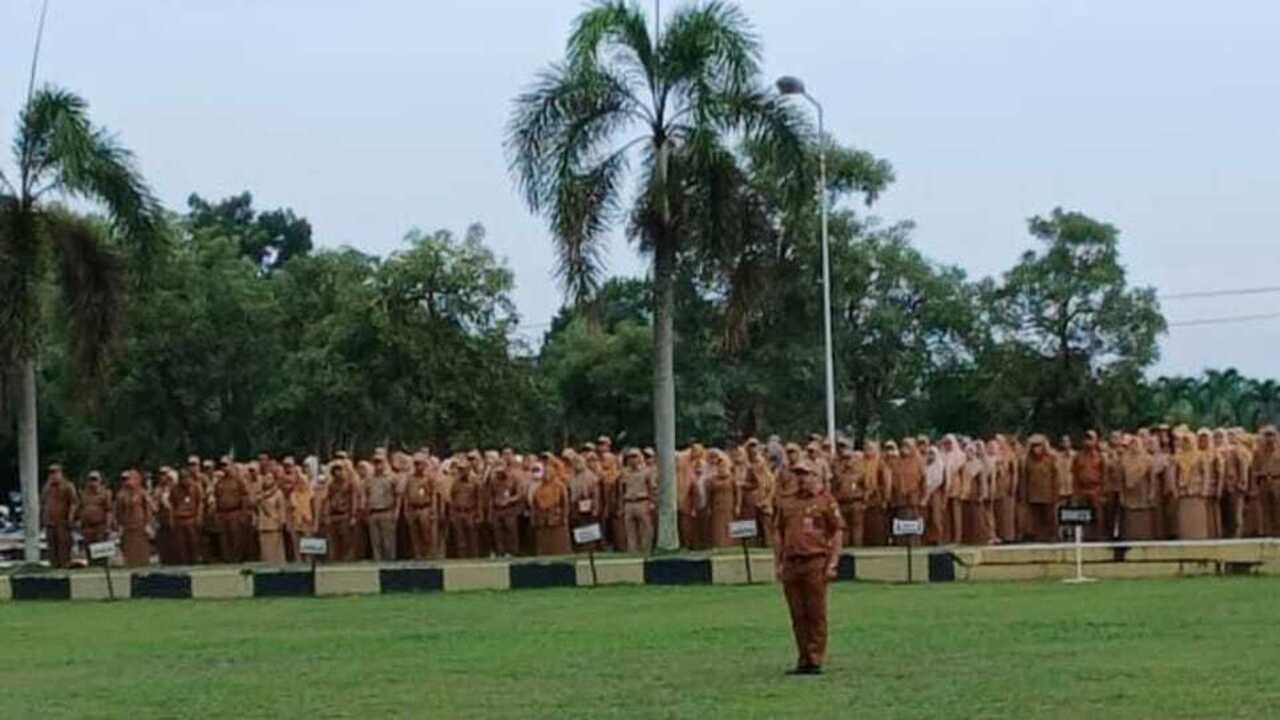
<point>788,85</point>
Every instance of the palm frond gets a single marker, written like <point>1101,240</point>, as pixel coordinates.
<point>618,28</point>
<point>558,125</point>
<point>706,51</point>
<point>89,163</point>
<point>584,207</point>
<point>91,277</point>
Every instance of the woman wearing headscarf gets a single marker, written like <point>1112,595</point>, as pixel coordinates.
<point>1004,506</point>
<point>935,497</point>
<point>549,508</point>
<point>977,493</point>
<point>134,513</point>
<point>1213,481</point>
<point>875,519</point>
<point>1191,472</point>
<point>1161,487</point>
<point>724,501</point>
<point>1139,490</point>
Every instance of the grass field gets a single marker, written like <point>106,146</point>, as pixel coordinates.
<point>1203,648</point>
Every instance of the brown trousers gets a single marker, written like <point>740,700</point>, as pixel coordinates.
<point>466,535</point>
<point>804,582</point>
<point>639,529</point>
<point>230,537</point>
<point>506,533</point>
<point>90,534</point>
<point>271,543</point>
<point>1271,506</point>
<point>690,532</point>
<point>853,513</point>
<point>382,535</point>
<point>340,533</point>
<point>1043,522</point>
<point>59,538</point>
<point>185,537</point>
<point>423,535</point>
<point>136,547</point>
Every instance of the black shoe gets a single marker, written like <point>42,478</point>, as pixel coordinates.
<point>799,670</point>
<point>814,670</point>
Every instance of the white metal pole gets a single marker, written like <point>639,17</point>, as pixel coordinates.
<point>826,279</point>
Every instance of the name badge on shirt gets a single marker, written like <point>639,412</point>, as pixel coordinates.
<point>584,506</point>
<point>808,524</point>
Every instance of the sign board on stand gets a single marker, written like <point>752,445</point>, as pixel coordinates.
<point>903,527</point>
<point>313,546</point>
<point>104,550</point>
<point>587,534</point>
<point>744,530</point>
<point>908,528</point>
<point>1077,516</point>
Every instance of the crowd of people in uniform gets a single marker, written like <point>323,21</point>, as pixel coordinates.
<point>1154,483</point>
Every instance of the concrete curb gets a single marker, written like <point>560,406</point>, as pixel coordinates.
<point>1112,561</point>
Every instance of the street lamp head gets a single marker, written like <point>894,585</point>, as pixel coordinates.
<point>790,85</point>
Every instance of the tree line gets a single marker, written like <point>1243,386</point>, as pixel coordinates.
<point>146,335</point>
<point>240,336</point>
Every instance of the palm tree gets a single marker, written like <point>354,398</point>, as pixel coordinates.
<point>58,153</point>
<point>676,101</point>
<point>1265,396</point>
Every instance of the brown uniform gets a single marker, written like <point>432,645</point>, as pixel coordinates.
<point>382,516</point>
<point>848,489</point>
<point>185,501</point>
<point>58,506</point>
<point>757,496</point>
<point>585,501</point>
<point>95,514</point>
<point>272,510</point>
<point>550,513</point>
<point>1192,485</point>
<point>1266,474</point>
<point>1089,469</point>
<point>464,516</point>
<point>231,502</point>
<point>808,529</point>
<point>1041,484</point>
<point>722,508</point>
<point>505,506</point>
<point>1139,492</point>
<point>338,517</point>
<point>637,490</point>
<point>133,513</point>
<point>424,505</point>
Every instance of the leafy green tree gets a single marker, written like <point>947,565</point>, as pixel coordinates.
<point>270,239</point>
<point>1071,330</point>
<point>676,103</point>
<point>59,153</point>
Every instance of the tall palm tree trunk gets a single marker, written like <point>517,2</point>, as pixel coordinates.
<point>29,462</point>
<point>664,376</point>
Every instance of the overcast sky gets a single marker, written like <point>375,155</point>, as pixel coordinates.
<point>369,118</point>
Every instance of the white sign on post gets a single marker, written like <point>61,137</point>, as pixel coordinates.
<point>743,529</point>
<point>587,534</point>
<point>313,546</point>
<point>1073,515</point>
<point>908,527</point>
<point>102,550</point>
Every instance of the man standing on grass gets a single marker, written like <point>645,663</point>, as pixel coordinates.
<point>58,504</point>
<point>808,532</point>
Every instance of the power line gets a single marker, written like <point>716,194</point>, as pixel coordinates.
<point>1222,293</point>
<point>1225,320</point>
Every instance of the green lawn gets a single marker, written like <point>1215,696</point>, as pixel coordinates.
<point>1203,648</point>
